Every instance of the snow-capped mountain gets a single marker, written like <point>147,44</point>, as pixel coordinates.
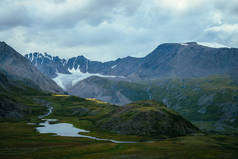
<point>48,64</point>
<point>167,60</point>
<point>66,73</point>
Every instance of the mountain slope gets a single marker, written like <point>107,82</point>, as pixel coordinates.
<point>16,98</point>
<point>9,109</point>
<point>18,68</point>
<point>106,89</point>
<point>188,60</point>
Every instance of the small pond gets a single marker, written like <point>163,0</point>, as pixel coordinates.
<point>66,129</point>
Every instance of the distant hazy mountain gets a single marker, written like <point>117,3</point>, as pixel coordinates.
<point>17,68</point>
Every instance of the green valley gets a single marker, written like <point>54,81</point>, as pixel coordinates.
<point>209,102</point>
<point>21,140</point>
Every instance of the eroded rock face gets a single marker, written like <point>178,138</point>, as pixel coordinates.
<point>147,118</point>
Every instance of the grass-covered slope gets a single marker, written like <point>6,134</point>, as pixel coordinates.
<point>17,99</point>
<point>18,139</point>
<point>210,102</point>
<point>144,118</point>
<point>147,118</point>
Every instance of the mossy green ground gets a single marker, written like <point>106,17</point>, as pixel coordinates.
<point>20,140</point>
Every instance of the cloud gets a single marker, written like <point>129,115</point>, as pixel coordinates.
<point>177,7</point>
<point>230,8</point>
<point>13,15</point>
<point>227,28</point>
<point>108,29</point>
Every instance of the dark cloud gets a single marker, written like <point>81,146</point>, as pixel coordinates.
<point>229,7</point>
<point>13,16</point>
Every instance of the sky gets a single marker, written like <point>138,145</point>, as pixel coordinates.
<point>108,29</point>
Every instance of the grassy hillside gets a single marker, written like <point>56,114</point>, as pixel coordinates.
<point>209,102</point>
<point>18,139</point>
<point>17,100</point>
<point>147,118</point>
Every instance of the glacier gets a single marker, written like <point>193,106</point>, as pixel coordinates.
<point>66,81</point>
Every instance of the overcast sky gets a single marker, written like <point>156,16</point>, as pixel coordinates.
<point>107,29</point>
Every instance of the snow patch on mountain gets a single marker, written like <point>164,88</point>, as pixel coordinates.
<point>114,66</point>
<point>66,81</point>
<point>184,44</point>
<point>212,45</point>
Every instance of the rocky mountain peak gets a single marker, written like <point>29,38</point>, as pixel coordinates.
<point>2,43</point>
<point>6,49</point>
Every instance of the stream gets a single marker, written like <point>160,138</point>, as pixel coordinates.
<point>66,129</point>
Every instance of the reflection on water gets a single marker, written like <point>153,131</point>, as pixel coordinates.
<point>61,129</point>
<point>65,129</point>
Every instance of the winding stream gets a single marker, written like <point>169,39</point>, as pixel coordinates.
<point>50,110</point>
<point>66,129</point>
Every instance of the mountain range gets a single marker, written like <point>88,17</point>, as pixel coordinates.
<point>196,80</point>
<point>167,60</point>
